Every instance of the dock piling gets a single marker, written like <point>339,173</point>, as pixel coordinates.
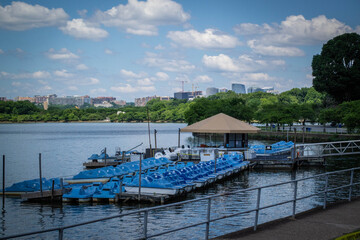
<point>40,174</point>
<point>3,186</point>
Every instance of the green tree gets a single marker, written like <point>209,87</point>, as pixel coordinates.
<point>337,68</point>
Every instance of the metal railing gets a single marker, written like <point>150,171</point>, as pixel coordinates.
<point>350,186</point>
<point>329,148</point>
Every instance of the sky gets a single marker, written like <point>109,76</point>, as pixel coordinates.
<point>131,49</point>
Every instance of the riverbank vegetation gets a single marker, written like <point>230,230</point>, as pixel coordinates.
<point>297,105</point>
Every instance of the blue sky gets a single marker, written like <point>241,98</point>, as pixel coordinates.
<point>130,49</point>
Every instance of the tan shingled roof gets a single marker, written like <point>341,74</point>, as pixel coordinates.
<point>221,123</point>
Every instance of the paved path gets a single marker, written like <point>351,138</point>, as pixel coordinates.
<point>319,224</point>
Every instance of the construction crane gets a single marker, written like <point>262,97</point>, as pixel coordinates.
<point>182,84</point>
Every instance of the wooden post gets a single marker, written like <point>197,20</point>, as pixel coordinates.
<point>3,185</point>
<point>155,141</point>
<point>139,196</point>
<point>40,174</point>
<point>147,111</point>
<point>303,135</point>
<point>105,158</point>
<point>179,138</point>
<point>295,143</point>
<point>52,190</point>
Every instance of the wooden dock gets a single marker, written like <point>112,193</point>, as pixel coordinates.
<point>48,195</point>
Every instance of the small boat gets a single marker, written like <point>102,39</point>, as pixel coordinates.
<point>81,193</point>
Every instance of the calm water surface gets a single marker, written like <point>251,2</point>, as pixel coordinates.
<point>65,146</point>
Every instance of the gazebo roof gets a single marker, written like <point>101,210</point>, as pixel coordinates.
<point>220,123</point>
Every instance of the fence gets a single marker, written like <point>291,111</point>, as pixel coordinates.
<point>348,186</point>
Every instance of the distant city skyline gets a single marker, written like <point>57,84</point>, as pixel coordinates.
<point>131,49</point>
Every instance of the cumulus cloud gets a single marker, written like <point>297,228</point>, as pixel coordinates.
<point>143,17</point>
<point>73,88</point>
<point>203,79</point>
<point>63,73</point>
<point>258,77</point>
<point>82,67</point>
<point>80,29</point>
<point>210,38</point>
<point>127,88</point>
<point>274,50</point>
<point>98,91</point>
<point>161,76</point>
<point>34,75</point>
<point>62,54</point>
<point>170,65</point>
<point>145,82</point>
<point>130,74</point>
<point>221,62</point>
<point>244,63</point>
<point>21,16</point>
<point>108,51</point>
<point>1,51</point>
<point>295,30</point>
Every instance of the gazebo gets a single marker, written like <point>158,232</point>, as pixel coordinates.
<point>222,129</point>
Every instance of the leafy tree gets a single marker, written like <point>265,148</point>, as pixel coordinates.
<point>337,68</point>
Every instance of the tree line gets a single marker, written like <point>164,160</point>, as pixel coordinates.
<point>296,105</point>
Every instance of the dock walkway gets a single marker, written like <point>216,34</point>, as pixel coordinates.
<point>338,219</point>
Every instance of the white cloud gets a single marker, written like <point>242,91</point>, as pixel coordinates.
<point>203,79</point>
<point>21,16</point>
<point>170,65</point>
<point>210,38</point>
<point>40,74</point>
<point>63,73</point>
<point>62,54</point>
<point>221,62</point>
<point>1,51</point>
<point>42,82</point>
<point>98,91</point>
<point>144,82</point>
<point>258,77</point>
<point>83,30</point>
<point>130,74</point>
<point>309,76</point>
<point>295,30</point>
<point>93,81</point>
<point>34,75</point>
<point>73,88</point>
<point>143,17</point>
<point>161,76</point>
<point>108,51</point>
<point>16,84</point>
<point>244,63</point>
<point>274,50</point>
<point>159,47</point>
<point>124,89</point>
<point>82,67</point>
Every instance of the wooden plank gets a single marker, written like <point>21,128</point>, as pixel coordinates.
<point>38,195</point>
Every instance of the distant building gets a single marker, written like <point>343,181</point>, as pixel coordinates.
<point>165,98</point>
<point>264,89</point>
<point>120,102</point>
<point>223,90</point>
<point>211,91</point>
<point>254,89</point>
<point>3,99</point>
<point>104,104</point>
<point>187,95</point>
<point>238,88</point>
<point>100,100</point>
<point>30,99</point>
<point>141,102</point>
<point>70,100</point>
<point>41,99</point>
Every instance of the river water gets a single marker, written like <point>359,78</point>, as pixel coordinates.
<point>65,146</point>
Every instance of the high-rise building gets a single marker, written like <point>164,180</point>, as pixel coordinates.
<point>223,90</point>
<point>187,95</point>
<point>254,89</point>
<point>211,91</point>
<point>238,88</point>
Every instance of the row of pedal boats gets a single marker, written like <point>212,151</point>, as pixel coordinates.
<point>158,176</point>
